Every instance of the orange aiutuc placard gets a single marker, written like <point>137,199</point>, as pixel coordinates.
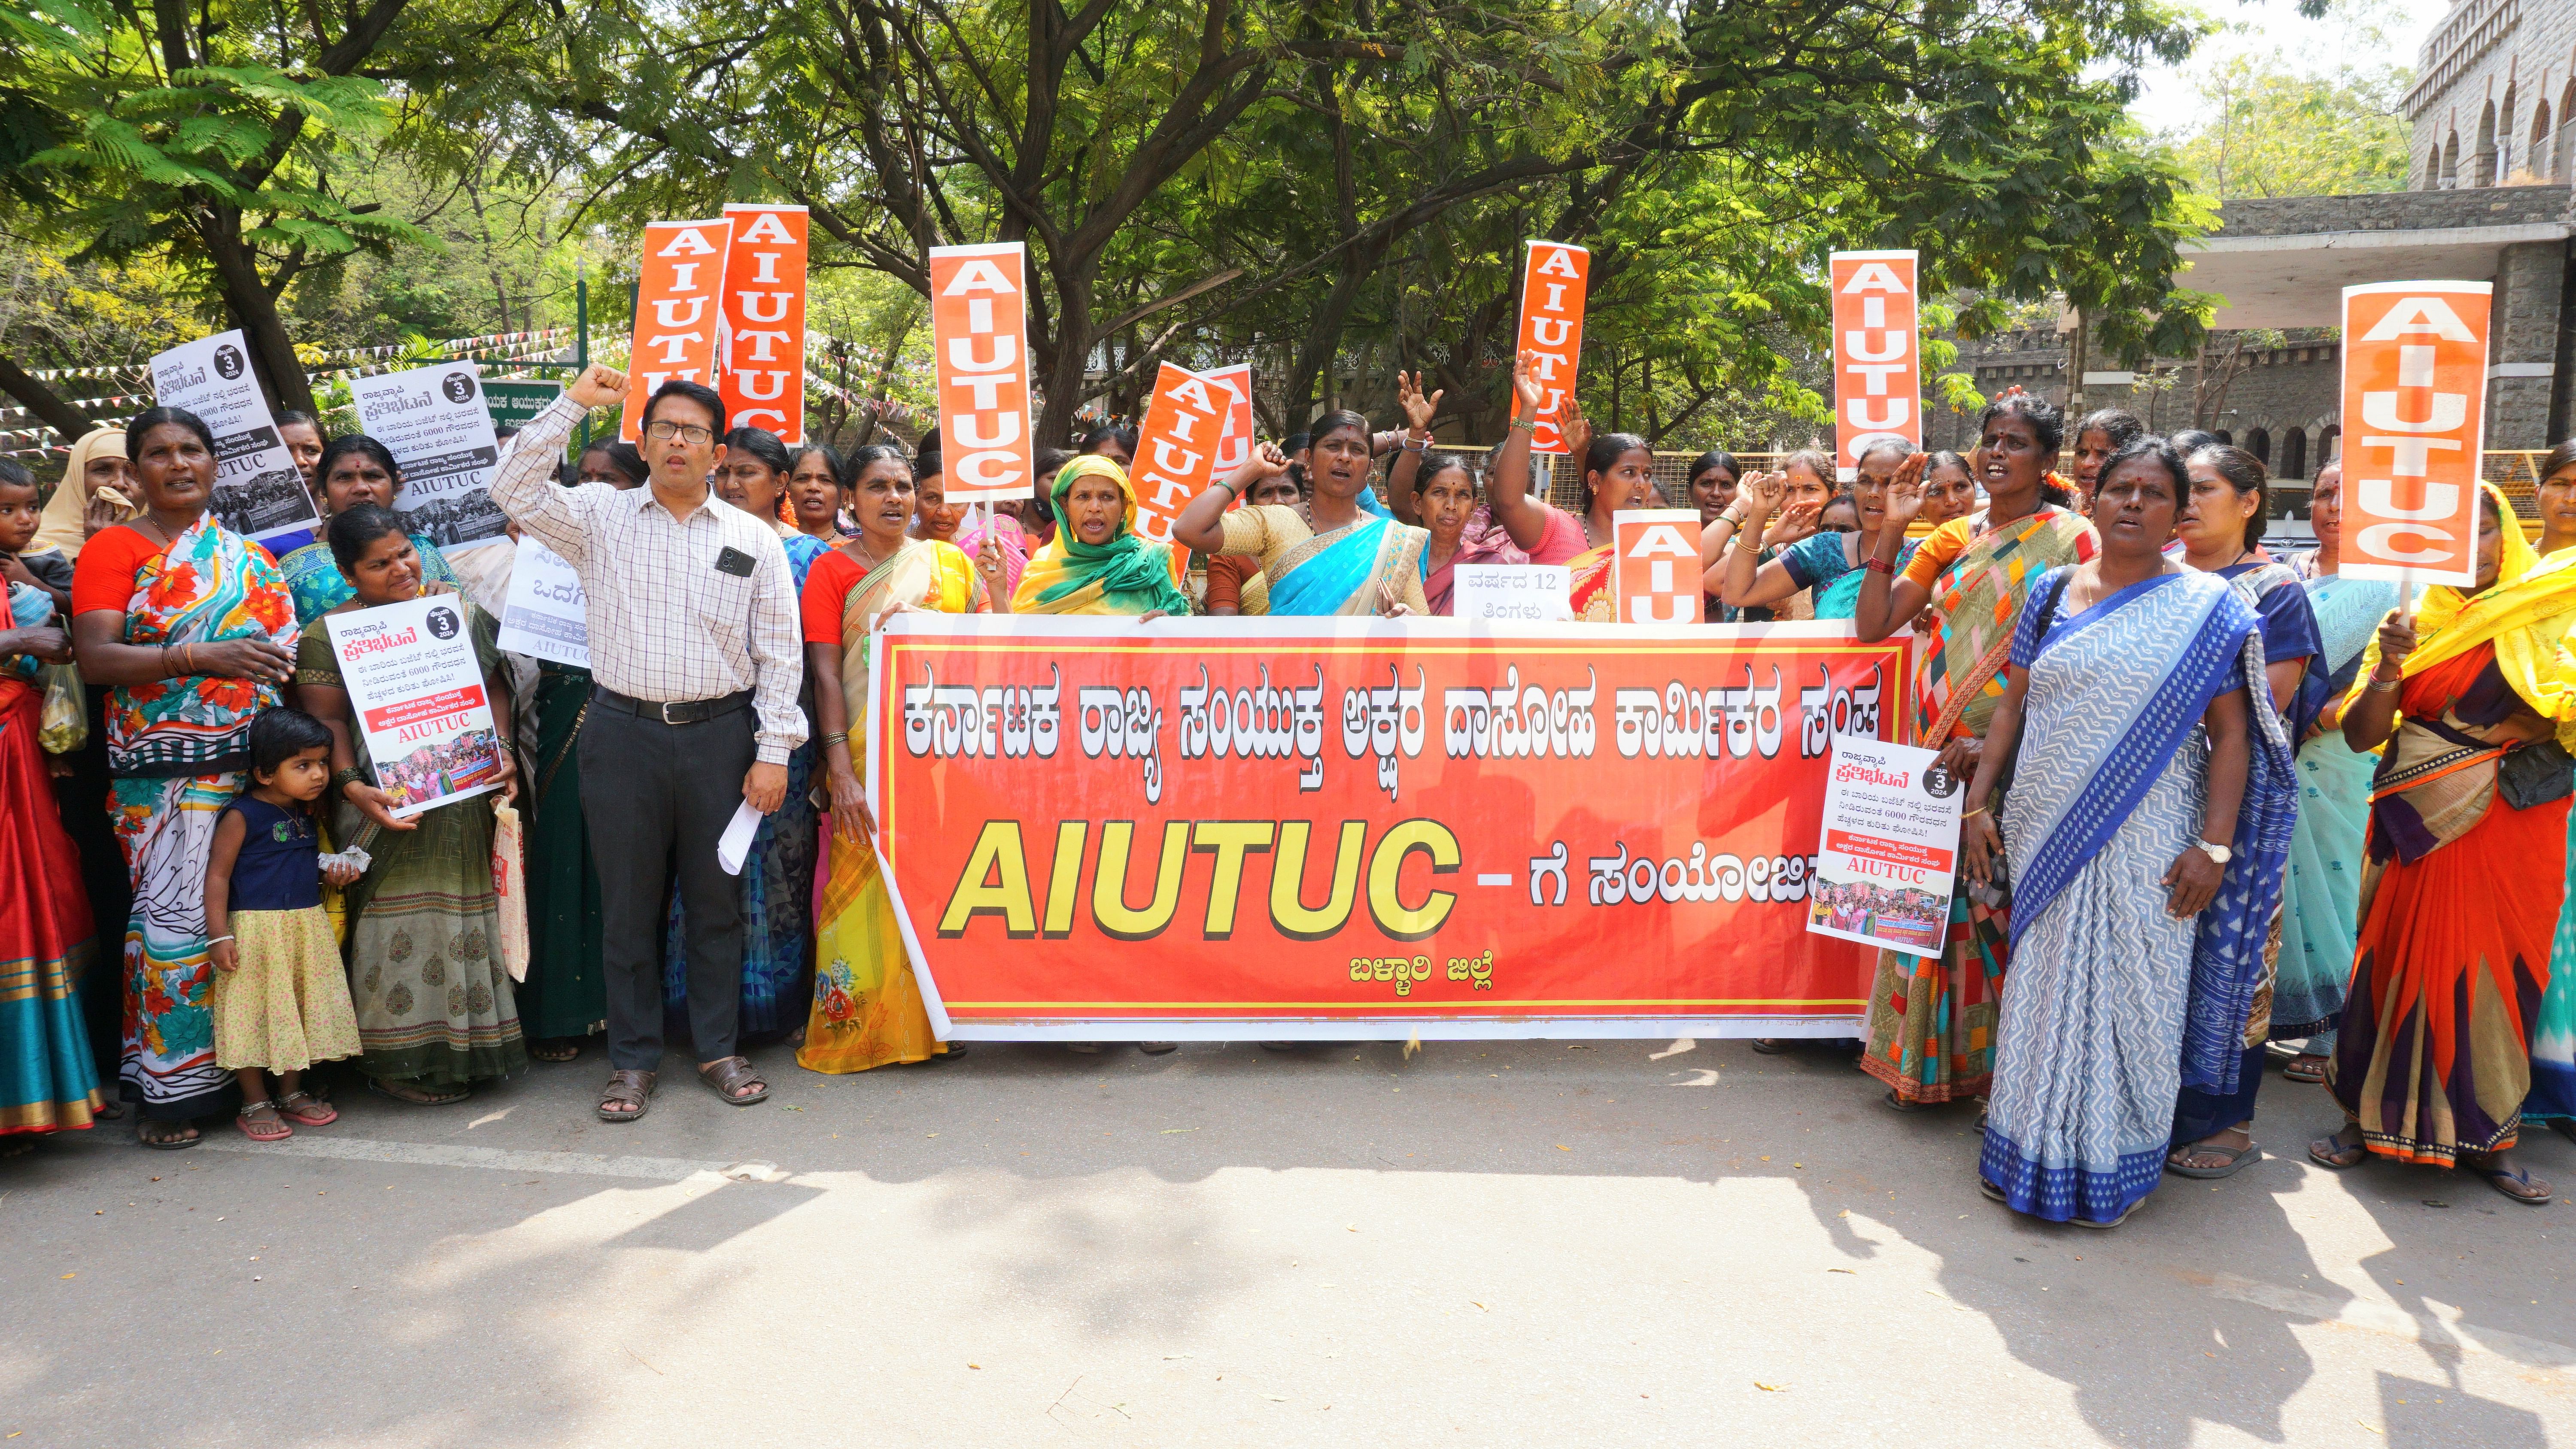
<point>1234,444</point>
<point>1657,568</point>
<point>1176,451</point>
<point>980,356</point>
<point>1194,829</point>
<point>2414,425</point>
<point>764,310</point>
<point>1554,276</point>
<point>1878,353</point>
<point>678,310</point>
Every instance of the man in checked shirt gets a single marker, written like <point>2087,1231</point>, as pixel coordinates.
<point>695,660</point>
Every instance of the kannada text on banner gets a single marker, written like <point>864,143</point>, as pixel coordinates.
<point>1357,828</point>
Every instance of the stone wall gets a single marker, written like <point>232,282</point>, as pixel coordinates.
<point>2492,93</point>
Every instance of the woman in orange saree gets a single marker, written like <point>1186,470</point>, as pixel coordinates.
<point>2474,698</point>
<point>868,1010</point>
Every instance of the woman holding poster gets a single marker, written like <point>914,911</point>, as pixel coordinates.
<point>190,624</point>
<point>778,871</point>
<point>867,1008</point>
<point>354,469</point>
<point>1328,556</point>
<point>1932,1022</point>
<point>2473,698</point>
<point>436,1012</point>
<point>2150,816</point>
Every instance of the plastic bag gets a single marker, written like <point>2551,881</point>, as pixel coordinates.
<point>64,728</point>
<point>510,882</point>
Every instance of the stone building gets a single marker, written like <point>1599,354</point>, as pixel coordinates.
<point>2493,88</point>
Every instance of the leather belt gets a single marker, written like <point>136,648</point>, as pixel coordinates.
<point>672,712</point>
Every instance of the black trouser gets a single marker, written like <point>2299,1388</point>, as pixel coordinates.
<point>657,797</point>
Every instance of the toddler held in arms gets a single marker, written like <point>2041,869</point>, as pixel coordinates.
<point>281,1000</point>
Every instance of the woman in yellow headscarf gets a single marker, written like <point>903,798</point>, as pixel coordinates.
<point>77,509</point>
<point>2475,700</point>
<point>1097,563</point>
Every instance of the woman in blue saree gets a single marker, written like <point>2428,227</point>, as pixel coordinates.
<point>2149,817</point>
<point>1333,554</point>
<point>778,871</point>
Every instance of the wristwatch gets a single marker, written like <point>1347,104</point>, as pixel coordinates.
<point>2218,853</point>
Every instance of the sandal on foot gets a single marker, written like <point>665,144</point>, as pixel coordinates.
<point>2329,1152</point>
<point>175,1135</point>
<point>313,1111</point>
<point>949,1052</point>
<point>2237,1158</point>
<point>1902,1105</point>
<point>2098,1224</point>
<point>555,1051</point>
<point>730,1077</point>
<point>262,1122</point>
<point>622,1100</point>
<point>2304,1068</point>
<point>1157,1048</point>
<point>1770,1046</point>
<point>1992,1192</point>
<point>2497,1177</point>
<point>416,1096</point>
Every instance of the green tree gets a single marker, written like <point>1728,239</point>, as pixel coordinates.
<point>2270,132</point>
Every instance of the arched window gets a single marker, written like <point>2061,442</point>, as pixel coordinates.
<point>2564,152</point>
<point>2537,157</point>
<point>2225,437</point>
<point>2507,156</point>
<point>2482,170</point>
<point>2259,443</point>
<point>2433,169</point>
<point>2329,444</point>
<point>2294,453</point>
<point>2451,163</point>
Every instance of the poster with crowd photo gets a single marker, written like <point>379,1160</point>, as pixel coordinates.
<point>547,616</point>
<point>420,700</point>
<point>1888,854</point>
<point>258,490</point>
<point>436,424</point>
<point>1365,828</point>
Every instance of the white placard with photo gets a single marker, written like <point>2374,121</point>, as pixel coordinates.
<point>1890,848</point>
<point>547,614</point>
<point>418,696</point>
<point>1513,593</point>
<point>435,423</point>
<point>258,491</point>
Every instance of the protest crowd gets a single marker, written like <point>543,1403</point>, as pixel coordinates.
<point>2340,859</point>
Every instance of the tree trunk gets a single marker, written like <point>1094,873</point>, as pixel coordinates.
<point>254,311</point>
<point>40,400</point>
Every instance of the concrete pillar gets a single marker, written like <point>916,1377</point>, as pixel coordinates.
<point>2522,350</point>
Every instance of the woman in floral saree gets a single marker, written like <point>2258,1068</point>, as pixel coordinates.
<point>1335,553</point>
<point>868,1010</point>
<point>192,627</point>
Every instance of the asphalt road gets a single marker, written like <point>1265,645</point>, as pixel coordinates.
<point>1599,1243</point>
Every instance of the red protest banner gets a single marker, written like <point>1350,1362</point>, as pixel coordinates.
<point>677,308</point>
<point>1878,353</point>
<point>979,345</point>
<point>1656,567</point>
<point>1554,276</point>
<point>764,311</point>
<point>2414,410</point>
<point>1176,451</point>
<point>1364,828</point>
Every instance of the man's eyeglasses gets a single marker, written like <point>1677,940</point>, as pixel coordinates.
<point>689,433</point>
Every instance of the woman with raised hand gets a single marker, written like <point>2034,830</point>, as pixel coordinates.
<point>436,1008</point>
<point>778,869</point>
<point>1235,583</point>
<point>1803,485</point>
<point>1931,1020</point>
<point>1618,473</point>
<point>192,627</point>
<point>2149,819</point>
<point>354,469</point>
<point>2221,530</point>
<point>2321,900</point>
<point>867,1009</point>
<point>814,474</point>
<point>2474,699</point>
<point>1438,494</point>
<point>1826,562</point>
<point>1328,555</point>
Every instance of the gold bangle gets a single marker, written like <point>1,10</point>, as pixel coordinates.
<point>1973,814</point>
<point>1526,425</point>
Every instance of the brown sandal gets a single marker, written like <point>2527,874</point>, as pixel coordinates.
<point>730,1076</point>
<point>622,1100</point>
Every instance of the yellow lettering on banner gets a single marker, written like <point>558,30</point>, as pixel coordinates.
<point>977,274</point>
<point>1874,277</point>
<point>1399,921</point>
<point>1109,908</point>
<point>1064,878</point>
<point>997,854</point>
<point>688,241</point>
<point>2421,314</point>
<point>1228,840</point>
<point>1288,909</point>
